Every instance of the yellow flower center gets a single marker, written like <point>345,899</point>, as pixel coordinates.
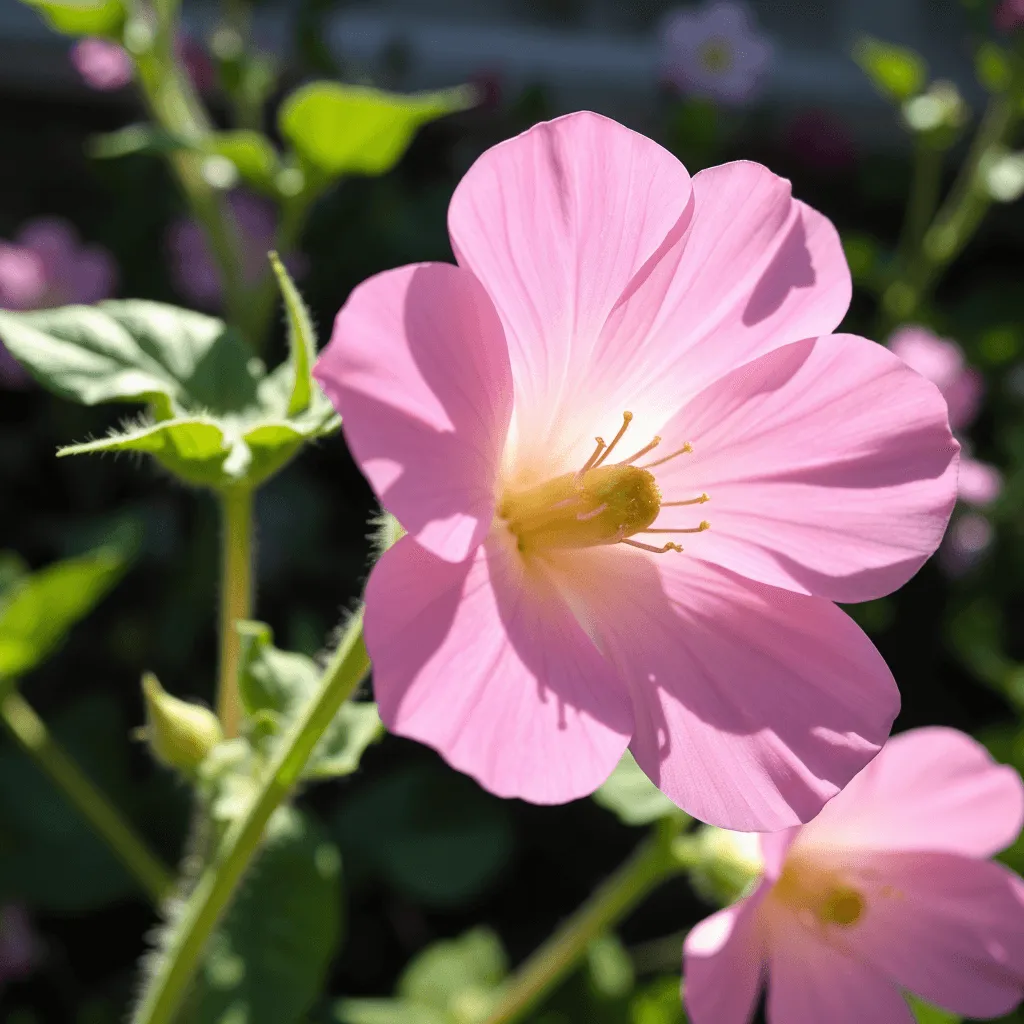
<point>829,897</point>
<point>600,503</point>
<point>715,55</point>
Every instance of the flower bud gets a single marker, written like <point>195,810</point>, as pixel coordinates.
<point>728,865</point>
<point>179,734</point>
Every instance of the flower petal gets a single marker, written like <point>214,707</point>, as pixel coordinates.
<point>484,662</point>
<point>724,959</point>
<point>555,223</point>
<point>929,789</point>
<point>418,368</point>
<point>811,982</point>
<point>948,928</point>
<point>755,269</point>
<point>753,705</point>
<point>830,467</point>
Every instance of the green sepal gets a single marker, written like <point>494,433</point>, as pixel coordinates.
<point>82,17</point>
<point>276,685</point>
<point>352,129</point>
<point>301,340</point>
<point>633,798</point>
<point>896,72</point>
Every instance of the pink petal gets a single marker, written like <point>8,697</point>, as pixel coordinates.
<point>755,270</point>
<point>978,483</point>
<point>418,368</point>
<point>830,466</point>
<point>811,982</point>
<point>484,662</point>
<point>556,223</point>
<point>753,705</point>
<point>724,964</point>
<point>929,789</point>
<point>948,928</point>
<point>774,847</point>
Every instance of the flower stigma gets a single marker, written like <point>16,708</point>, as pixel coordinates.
<point>601,503</point>
<point>824,893</point>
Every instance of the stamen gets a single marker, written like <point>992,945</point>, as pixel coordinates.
<point>640,454</point>
<point>627,418</point>
<point>650,547</point>
<point>685,450</point>
<point>592,514</point>
<point>705,525</point>
<point>692,501</point>
<point>590,463</point>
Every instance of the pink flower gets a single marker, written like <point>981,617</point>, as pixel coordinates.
<point>968,538</point>
<point>888,889</point>
<point>534,622</point>
<point>1009,15</point>
<point>714,51</point>
<point>102,64</point>
<point>193,269</point>
<point>47,266</point>
<point>19,946</point>
<point>942,362</point>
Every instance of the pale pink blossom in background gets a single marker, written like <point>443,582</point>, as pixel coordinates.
<point>526,628</point>
<point>714,51</point>
<point>942,362</point>
<point>889,889</point>
<point>969,536</point>
<point>103,65</point>
<point>47,265</point>
<point>193,269</point>
<point>20,949</point>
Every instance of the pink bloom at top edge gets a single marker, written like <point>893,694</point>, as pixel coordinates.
<point>714,51</point>
<point>524,628</point>
<point>888,889</point>
<point>1009,15</point>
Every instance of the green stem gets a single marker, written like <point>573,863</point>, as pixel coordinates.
<point>31,733</point>
<point>235,597</point>
<point>925,192</point>
<point>654,862</point>
<point>198,917</point>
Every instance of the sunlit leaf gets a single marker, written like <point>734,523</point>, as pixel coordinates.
<point>350,129</point>
<point>632,797</point>
<point>252,153</point>
<point>895,71</point>
<point>926,1014</point>
<point>81,17</point>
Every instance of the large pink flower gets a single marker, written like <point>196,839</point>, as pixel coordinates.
<point>528,627</point>
<point>887,889</point>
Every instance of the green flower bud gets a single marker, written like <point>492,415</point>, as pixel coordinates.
<point>179,734</point>
<point>727,864</point>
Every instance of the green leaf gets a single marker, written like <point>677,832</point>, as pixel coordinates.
<point>926,1014</point>
<point>350,129</point>
<point>12,568</point>
<point>301,340</point>
<point>658,1003</point>
<point>609,967</point>
<point>134,351</point>
<point>896,72</point>
<point>251,152</point>
<point>267,963</point>
<point>275,686</point>
<point>134,139</point>
<point>386,1011</point>
<point>82,17</point>
<point>456,975</point>
<point>632,797</point>
<point>37,610</point>
<point>430,832</point>
<point>992,64</point>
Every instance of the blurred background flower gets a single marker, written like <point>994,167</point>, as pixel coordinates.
<point>20,948</point>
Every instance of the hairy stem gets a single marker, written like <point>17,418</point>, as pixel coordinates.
<point>177,963</point>
<point>29,730</point>
<point>655,861</point>
<point>235,597</point>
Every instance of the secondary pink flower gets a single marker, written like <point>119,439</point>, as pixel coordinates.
<point>102,64</point>
<point>968,538</point>
<point>714,51</point>
<point>527,627</point>
<point>193,269</point>
<point>888,889</point>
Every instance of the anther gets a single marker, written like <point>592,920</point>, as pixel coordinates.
<point>685,450</point>
<point>627,418</point>
<point>650,547</point>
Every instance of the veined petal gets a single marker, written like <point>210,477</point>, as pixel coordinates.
<point>930,789</point>
<point>724,961</point>
<point>755,269</point>
<point>555,223</point>
<point>418,368</point>
<point>753,705</point>
<point>811,982</point>
<point>484,662</point>
<point>830,465</point>
<point>947,928</point>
